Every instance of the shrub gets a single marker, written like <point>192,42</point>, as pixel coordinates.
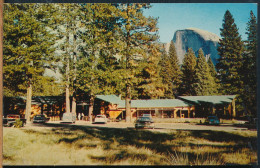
<point>18,123</point>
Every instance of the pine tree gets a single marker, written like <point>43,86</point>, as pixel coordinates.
<point>212,69</point>
<point>66,24</point>
<point>249,66</point>
<point>150,85</point>
<point>204,83</point>
<point>165,71</point>
<point>175,71</point>
<point>138,33</point>
<point>215,82</point>
<point>230,62</point>
<point>188,71</point>
<point>27,49</point>
<point>109,67</point>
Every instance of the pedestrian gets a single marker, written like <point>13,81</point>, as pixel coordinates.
<point>82,116</point>
<point>79,115</point>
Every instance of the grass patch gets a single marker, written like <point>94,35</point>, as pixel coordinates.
<point>78,145</point>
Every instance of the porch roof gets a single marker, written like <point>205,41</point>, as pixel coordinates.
<point>217,99</point>
<point>182,101</point>
<point>159,103</point>
<point>156,103</point>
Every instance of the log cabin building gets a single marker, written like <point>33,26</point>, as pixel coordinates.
<point>181,107</point>
<point>114,107</point>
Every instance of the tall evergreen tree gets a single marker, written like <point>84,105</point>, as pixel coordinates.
<point>230,62</point>
<point>188,71</point>
<point>150,85</point>
<point>165,71</point>
<point>66,24</point>
<point>212,69</point>
<point>175,71</point>
<point>27,49</point>
<point>249,66</point>
<point>109,67</point>
<point>138,33</point>
<point>95,37</point>
<point>204,82</point>
<point>213,72</point>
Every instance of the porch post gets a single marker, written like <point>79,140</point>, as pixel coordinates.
<point>233,108</point>
<point>175,113</point>
<point>162,113</point>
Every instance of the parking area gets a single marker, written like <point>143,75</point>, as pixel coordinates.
<point>158,126</point>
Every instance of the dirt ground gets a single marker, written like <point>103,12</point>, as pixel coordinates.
<point>161,127</point>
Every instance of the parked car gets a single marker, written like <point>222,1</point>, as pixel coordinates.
<point>147,115</point>
<point>68,117</point>
<point>10,120</point>
<point>212,120</point>
<point>100,119</point>
<point>144,122</point>
<point>39,118</point>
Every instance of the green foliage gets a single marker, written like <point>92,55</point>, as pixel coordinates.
<point>138,33</point>
<point>213,73</point>
<point>175,71</point>
<point>204,82</point>
<point>170,72</point>
<point>188,70</point>
<point>150,83</point>
<point>165,73</point>
<point>212,68</point>
<point>18,123</point>
<point>249,66</point>
<point>27,47</point>
<point>99,71</point>
<point>230,62</point>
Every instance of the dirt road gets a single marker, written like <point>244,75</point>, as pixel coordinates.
<point>162,127</point>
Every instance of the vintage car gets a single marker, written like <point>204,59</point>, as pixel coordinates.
<point>69,118</point>
<point>212,120</point>
<point>100,119</point>
<point>39,118</point>
<point>10,120</point>
<point>144,122</point>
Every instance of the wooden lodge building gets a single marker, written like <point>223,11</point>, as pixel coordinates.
<point>114,107</point>
<point>182,107</point>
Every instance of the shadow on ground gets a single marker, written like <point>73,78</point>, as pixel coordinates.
<point>161,143</point>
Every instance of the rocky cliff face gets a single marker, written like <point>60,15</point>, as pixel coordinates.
<point>195,38</point>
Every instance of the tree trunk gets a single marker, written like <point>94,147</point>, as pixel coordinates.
<point>91,107</point>
<point>1,75</point>
<point>67,88</point>
<point>74,104</point>
<point>28,103</point>
<point>73,110</point>
<point>67,99</point>
<point>128,88</point>
<point>128,103</point>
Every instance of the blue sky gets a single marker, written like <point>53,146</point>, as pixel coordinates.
<point>205,16</point>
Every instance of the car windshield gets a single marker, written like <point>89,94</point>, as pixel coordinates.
<point>146,115</point>
<point>100,116</point>
<point>144,119</point>
<point>38,117</point>
<point>212,117</point>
